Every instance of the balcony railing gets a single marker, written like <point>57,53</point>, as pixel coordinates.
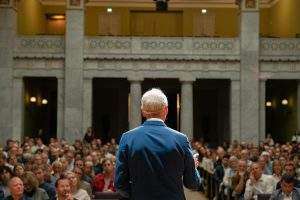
<point>133,48</point>
<point>40,46</point>
<point>157,48</point>
<point>280,49</point>
<point>162,48</point>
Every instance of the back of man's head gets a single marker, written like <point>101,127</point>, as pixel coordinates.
<point>287,183</point>
<point>153,103</point>
<point>288,178</point>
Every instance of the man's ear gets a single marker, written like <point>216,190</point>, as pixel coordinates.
<point>166,110</point>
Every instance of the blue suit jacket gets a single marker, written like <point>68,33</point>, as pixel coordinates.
<point>153,163</point>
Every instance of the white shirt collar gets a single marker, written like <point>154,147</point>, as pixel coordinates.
<point>155,119</point>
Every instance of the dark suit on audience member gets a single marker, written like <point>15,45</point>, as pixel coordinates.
<point>153,163</point>
<point>279,195</point>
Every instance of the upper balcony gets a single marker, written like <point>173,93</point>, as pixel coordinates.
<point>150,48</point>
<point>195,30</point>
<point>157,48</point>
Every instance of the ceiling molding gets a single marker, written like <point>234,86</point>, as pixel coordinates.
<point>172,3</point>
<point>268,3</point>
<point>53,2</point>
<point>150,3</point>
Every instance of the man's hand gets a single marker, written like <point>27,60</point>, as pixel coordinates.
<point>252,179</point>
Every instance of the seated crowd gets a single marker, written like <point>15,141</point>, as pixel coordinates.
<point>36,170</point>
<point>33,170</point>
<point>245,171</point>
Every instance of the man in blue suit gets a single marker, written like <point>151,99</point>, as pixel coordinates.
<point>154,161</point>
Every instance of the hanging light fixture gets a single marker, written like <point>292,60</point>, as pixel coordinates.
<point>109,10</point>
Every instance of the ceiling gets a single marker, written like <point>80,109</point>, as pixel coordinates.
<point>172,3</point>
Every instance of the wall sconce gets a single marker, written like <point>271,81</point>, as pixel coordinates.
<point>32,99</point>
<point>55,16</point>
<point>284,102</point>
<point>109,10</point>
<point>44,101</point>
<point>268,104</point>
<point>203,11</point>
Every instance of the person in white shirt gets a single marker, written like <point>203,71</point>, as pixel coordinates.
<point>258,183</point>
<point>76,191</point>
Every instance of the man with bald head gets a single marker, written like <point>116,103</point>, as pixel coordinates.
<point>153,160</point>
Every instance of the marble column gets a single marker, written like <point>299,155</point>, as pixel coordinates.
<point>60,108</point>
<point>186,108</point>
<point>298,106</point>
<point>87,102</point>
<point>73,113</point>
<point>18,108</point>
<point>8,29</point>
<point>135,117</point>
<point>235,112</point>
<point>262,110</point>
<point>249,55</point>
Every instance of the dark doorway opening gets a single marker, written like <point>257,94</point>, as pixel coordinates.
<point>171,88</point>
<point>211,111</point>
<point>40,107</point>
<point>110,107</point>
<point>281,115</point>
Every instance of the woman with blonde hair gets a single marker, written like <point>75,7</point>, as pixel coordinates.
<point>75,186</point>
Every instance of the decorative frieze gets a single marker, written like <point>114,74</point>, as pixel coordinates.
<point>162,66</point>
<point>279,67</point>
<point>215,44</point>
<point>107,45</point>
<point>40,46</point>
<point>162,48</point>
<point>280,49</point>
<point>162,45</point>
<point>39,64</point>
<point>157,48</point>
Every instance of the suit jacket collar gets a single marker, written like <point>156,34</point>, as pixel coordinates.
<point>153,123</point>
<point>295,194</point>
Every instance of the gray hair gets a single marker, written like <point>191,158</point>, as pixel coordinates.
<point>153,101</point>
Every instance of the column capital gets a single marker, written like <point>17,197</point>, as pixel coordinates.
<point>135,79</point>
<point>187,79</point>
<point>8,4</point>
<point>75,4</point>
<point>249,5</point>
<point>263,80</point>
<point>235,79</point>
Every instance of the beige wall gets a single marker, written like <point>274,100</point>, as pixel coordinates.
<point>32,19</point>
<point>127,21</point>
<point>144,22</point>
<point>281,20</point>
<point>92,20</point>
